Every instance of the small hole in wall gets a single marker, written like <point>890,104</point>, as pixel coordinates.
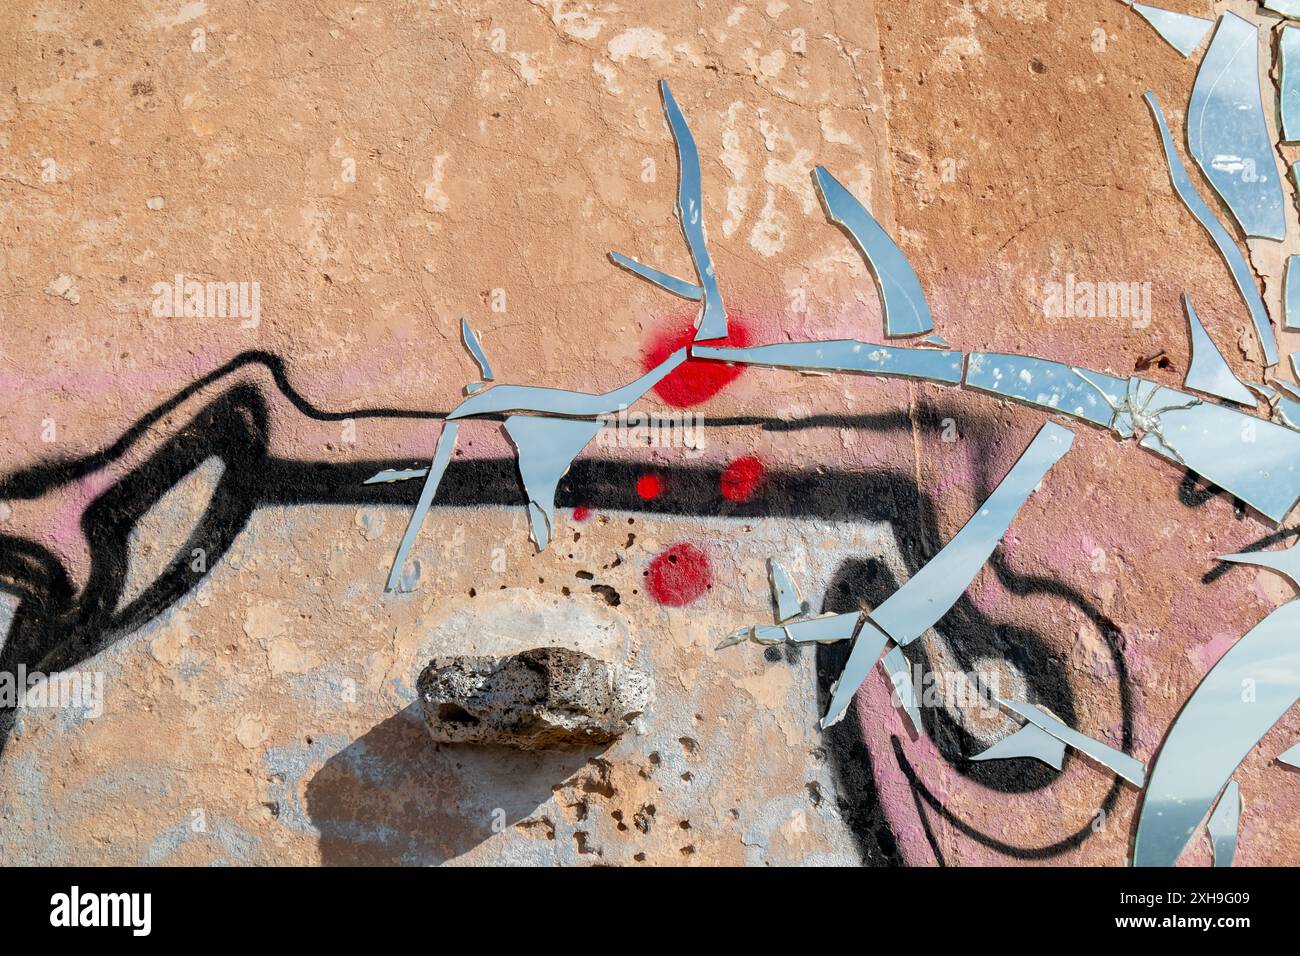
<point>1159,360</point>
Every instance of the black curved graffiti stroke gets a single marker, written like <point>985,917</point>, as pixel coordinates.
<point>55,627</point>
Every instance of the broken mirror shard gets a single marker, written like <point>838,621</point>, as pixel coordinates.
<point>785,595</point>
<point>899,672</point>
<point>1224,823</point>
<point>827,629</point>
<point>1241,272</point>
<point>1209,372</point>
<point>1227,134</point>
<point>926,597</point>
<point>1287,412</point>
<point>441,458</point>
<point>821,630</point>
<point>1181,31</point>
<point>546,447</point>
<point>933,341</point>
<point>1288,8</point>
<point>868,647</point>
<point>1291,297</point>
<point>712,323</point>
<point>559,401</point>
<point>1289,92</point>
<point>1251,687</point>
<point>1267,392</point>
<point>1288,388</point>
<point>1285,562</point>
<point>844,355</point>
<point>1049,385</point>
<point>739,636</point>
<point>902,301</point>
<point>1290,756</point>
<point>1254,459</point>
<point>395,474</point>
<point>1029,741</point>
<point>1130,768</point>
<point>471,341</point>
<point>674,285</point>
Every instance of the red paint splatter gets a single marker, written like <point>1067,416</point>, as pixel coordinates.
<point>679,575</point>
<point>649,486</point>
<point>581,513</point>
<point>741,479</point>
<point>695,381</point>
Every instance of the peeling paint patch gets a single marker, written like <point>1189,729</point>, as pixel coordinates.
<point>435,199</point>
<point>641,43</point>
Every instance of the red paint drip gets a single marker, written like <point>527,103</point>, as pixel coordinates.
<point>679,575</point>
<point>741,479</point>
<point>649,486</point>
<point>695,381</point>
<point>581,513</point>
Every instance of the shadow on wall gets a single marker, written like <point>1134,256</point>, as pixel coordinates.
<point>393,797</point>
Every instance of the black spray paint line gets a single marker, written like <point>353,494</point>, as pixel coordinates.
<point>54,628</point>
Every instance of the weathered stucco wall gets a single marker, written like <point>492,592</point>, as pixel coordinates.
<point>183,498</point>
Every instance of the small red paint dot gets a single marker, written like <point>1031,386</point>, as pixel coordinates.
<point>649,486</point>
<point>741,479</point>
<point>679,575</point>
<point>581,513</point>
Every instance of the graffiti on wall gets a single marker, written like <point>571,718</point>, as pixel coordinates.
<point>872,608</point>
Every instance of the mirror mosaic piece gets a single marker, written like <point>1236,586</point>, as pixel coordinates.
<point>558,401</point>
<point>1181,31</point>
<point>1227,246</point>
<point>1291,756</point>
<point>928,595</point>
<point>1053,386</point>
<point>441,458</point>
<point>844,355</point>
<point>785,595</point>
<point>1246,692</point>
<point>1227,134</point>
<point>1289,83</point>
<point>899,671</point>
<point>1208,372</point>
<point>1287,8</point>
<point>1028,741</point>
<point>712,321</point>
<point>902,301</point>
<point>1224,822</point>
<point>470,338</point>
<point>1127,767</point>
<point>546,448</point>
<point>1291,295</point>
